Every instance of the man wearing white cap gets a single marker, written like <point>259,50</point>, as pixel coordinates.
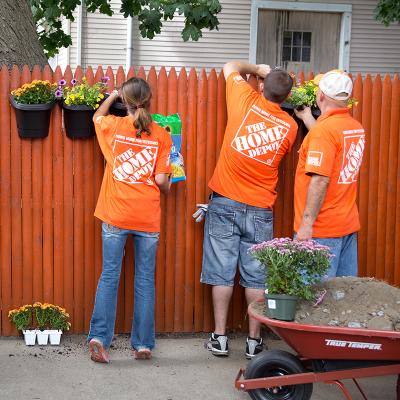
<point>326,176</point>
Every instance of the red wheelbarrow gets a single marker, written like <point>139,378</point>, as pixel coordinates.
<point>324,354</point>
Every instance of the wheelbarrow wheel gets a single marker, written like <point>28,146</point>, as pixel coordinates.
<point>277,363</point>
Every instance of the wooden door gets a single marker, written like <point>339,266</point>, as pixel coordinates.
<point>299,40</point>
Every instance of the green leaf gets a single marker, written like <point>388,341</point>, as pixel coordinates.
<point>191,32</point>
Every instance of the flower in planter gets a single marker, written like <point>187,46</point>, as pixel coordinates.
<point>36,92</point>
<point>58,318</point>
<point>81,93</point>
<point>305,94</point>
<point>292,267</point>
<point>42,314</point>
<point>21,317</point>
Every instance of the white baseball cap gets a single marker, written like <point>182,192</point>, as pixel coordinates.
<point>335,84</point>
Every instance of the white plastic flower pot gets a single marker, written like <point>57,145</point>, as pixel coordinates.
<point>42,337</point>
<point>55,337</point>
<point>30,337</point>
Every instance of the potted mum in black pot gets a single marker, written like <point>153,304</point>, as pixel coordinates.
<point>33,103</point>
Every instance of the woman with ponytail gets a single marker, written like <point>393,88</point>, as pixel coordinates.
<point>136,151</point>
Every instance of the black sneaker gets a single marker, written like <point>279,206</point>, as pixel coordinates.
<point>253,347</point>
<point>218,345</point>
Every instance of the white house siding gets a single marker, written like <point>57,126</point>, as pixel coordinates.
<point>104,41</point>
<point>212,50</point>
<point>374,48</point>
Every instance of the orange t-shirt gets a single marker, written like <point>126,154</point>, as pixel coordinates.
<point>334,147</point>
<point>258,134</point>
<point>129,197</point>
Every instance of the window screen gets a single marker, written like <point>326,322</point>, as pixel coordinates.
<point>296,46</point>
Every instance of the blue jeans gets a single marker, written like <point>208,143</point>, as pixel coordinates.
<point>103,317</point>
<point>231,228</point>
<point>344,249</point>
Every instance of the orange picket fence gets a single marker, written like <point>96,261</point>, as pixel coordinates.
<point>50,243</point>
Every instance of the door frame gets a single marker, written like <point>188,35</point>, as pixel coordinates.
<point>345,28</point>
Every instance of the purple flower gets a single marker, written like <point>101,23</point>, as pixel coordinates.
<point>74,82</point>
<point>58,93</point>
<point>105,79</point>
<point>62,82</point>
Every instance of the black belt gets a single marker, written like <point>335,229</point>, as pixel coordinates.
<point>214,194</point>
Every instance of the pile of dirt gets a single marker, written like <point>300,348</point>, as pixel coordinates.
<point>354,303</point>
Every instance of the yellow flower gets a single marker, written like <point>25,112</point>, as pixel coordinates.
<point>101,95</point>
<point>97,106</point>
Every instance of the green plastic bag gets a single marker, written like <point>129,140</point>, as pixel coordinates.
<point>173,124</point>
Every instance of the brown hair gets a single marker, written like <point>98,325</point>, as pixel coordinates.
<point>277,85</point>
<point>136,94</point>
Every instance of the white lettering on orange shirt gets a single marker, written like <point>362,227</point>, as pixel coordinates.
<point>259,140</point>
<point>134,163</point>
<point>314,158</point>
<point>353,150</point>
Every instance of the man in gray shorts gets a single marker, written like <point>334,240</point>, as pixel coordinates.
<point>257,136</point>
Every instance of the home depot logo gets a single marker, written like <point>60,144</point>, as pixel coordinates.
<point>314,158</point>
<point>353,149</point>
<point>134,162</point>
<point>259,137</point>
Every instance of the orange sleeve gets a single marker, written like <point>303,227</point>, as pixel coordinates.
<point>163,164</point>
<point>239,94</point>
<point>106,124</point>
<point>320,154</point>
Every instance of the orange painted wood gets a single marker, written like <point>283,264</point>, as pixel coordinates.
<point>37,208</point>
<point>392,263</point>
<point>180,213</point>
<point>190,200</point>
<point>47,207</point>
<point>57,137</point>
<point>382,185</point>
<point>78,228</point>
<point>200,193</point>
<point>169,212</point>
<point>364,175</point>
<point>68,231</point>
<point>131,73</point>
<point>17,264</point>
<point>6,177</point>
<point>50,242</point>
<point>373,175</point>
<point>26,206</point>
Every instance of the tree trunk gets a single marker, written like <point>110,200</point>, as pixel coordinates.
<point>19,43</point>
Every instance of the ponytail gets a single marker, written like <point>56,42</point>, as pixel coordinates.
<point>136,95</point>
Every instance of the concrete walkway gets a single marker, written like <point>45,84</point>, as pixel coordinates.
<point>181,369</point>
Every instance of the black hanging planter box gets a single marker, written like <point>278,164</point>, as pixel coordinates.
<point>118,108</point>
<point>78,121</point>
<point>288,107</point>
<point>33,120</point>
